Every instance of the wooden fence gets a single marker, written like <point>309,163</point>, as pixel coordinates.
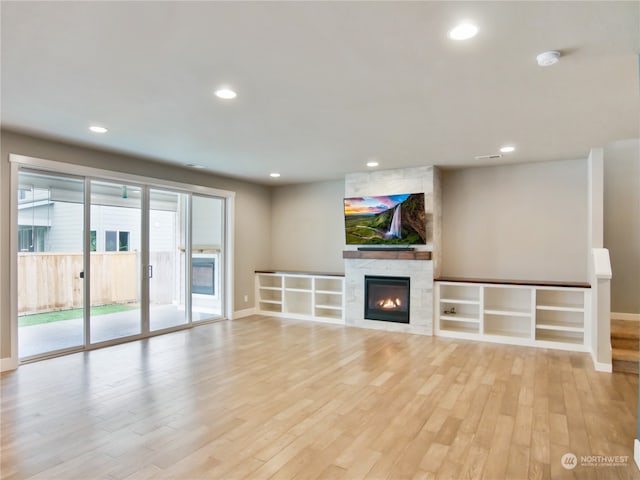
<point>51,281</point>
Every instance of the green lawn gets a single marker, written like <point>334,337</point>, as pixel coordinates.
<point>60,315</point>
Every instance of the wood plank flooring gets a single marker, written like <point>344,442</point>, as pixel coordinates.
<point>265,398</point>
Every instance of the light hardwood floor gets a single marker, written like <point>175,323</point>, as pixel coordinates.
<point>266,398</point>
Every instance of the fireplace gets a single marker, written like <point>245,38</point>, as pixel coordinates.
<point>203,274</point>
<point>386,298</point>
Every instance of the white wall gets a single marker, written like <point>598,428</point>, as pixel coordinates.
<point>517,222</point>
<point>622,222</point>
<point>307,227</point>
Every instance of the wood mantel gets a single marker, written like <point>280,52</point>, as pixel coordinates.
<point>384,255</point>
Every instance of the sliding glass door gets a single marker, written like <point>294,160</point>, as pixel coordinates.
<point>207,258</point>
<point>50,263</point>
<point>152,259</point>
<point>167,259</point>
<point>115,244</point>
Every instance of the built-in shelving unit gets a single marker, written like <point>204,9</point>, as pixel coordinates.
<point>305,296</point>
<point>551,316</point>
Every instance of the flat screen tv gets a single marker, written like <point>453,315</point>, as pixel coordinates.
<point>386,220</point>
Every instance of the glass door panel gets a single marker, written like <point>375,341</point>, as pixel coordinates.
<point>167,259</point>
<point>115,241</point>
<point>207,215</point>
<point>50,263</point>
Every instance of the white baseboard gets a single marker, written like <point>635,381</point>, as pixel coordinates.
<point>600,366</point>
<point>244,313</point>
<point>633,317</point>
<point>8,364</point>
<point>636,452</point>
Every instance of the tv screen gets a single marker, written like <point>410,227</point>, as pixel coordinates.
<point>386,220</point>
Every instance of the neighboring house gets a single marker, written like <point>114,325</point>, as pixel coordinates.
<point>46,224</point>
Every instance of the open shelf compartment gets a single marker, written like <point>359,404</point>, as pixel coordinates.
<point>272,307</point>
<point>460,293</point>
<point>270,296</point>
<point>298,283</point>
<point>454,311</point>
<point>507,326</point>
<point>557,336</point>
<point>270,281</point>
<point>332,285</point>
<point>331,313</point>
<point>459,326</point>
<point>510,302</point>
<point>298,302</point>
<point>328,300</point>
<point>562,300</point>
<point>560,320</point>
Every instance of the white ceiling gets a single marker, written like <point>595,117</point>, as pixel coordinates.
<point>322,86</point>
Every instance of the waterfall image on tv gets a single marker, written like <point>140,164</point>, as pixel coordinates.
<point>386,220</point>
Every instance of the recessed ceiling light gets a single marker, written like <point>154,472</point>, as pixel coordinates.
<point>274,175</point>
<point>193,165</point>
<point>507,149</point>
<point>226,93</point>
<point>372,163</point>
<point>98,129</point>
<point>546,59</point>
<point>463,31</point>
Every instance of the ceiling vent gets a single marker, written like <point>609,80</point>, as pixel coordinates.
<point>488,157</point>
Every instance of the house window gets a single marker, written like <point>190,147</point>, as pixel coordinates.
<point>31,239</point>
<point>25,239</point>
<point>123,241</point>
<point>116,241</point>
<point>93,241</point>
<point>110,241</point>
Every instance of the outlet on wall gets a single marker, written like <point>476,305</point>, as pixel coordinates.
<point>246,298</point>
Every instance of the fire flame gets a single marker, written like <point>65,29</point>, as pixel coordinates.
<point>389,303</point>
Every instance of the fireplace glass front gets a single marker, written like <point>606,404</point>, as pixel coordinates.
<point>203,275</point>
<point>386,298</point>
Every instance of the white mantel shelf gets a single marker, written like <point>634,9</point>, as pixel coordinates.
<point>384,255</point>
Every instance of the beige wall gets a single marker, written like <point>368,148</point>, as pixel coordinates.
<point>526,222</point>
<point>308,227</point>
<point>622,222</point>
<point>252,210</point>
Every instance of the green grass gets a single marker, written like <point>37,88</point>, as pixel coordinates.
<point>61,315</point>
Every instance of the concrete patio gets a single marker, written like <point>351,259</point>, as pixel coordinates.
<point>49,337</point>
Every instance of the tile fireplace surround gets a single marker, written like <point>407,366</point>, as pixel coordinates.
<point>420,271</point>
<point>420,295</point>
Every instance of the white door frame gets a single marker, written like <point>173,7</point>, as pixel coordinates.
<point>52,166</point>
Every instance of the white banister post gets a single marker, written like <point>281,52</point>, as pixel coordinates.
<point>601,309</point>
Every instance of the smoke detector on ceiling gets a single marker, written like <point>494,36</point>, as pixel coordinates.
<point>546,59</point>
